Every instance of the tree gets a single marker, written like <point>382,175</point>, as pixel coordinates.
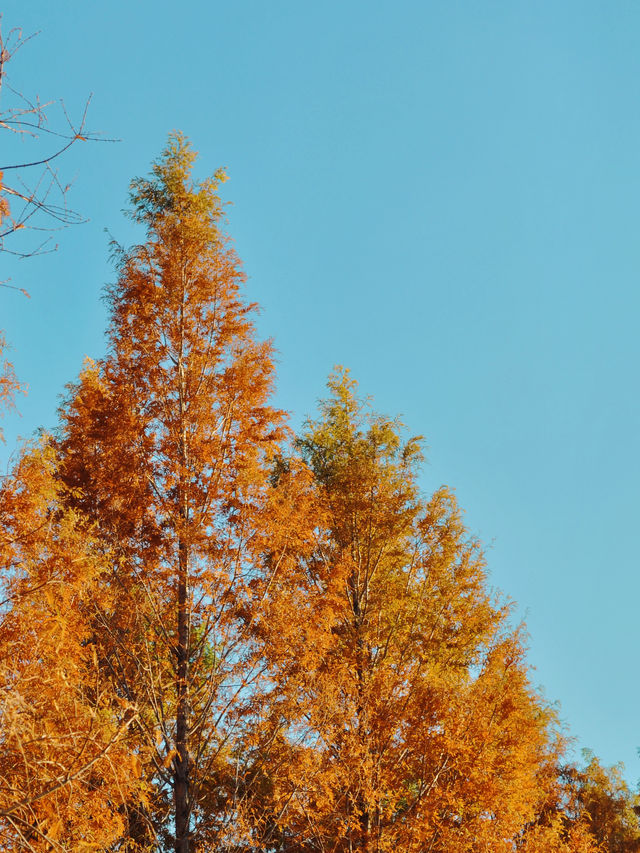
<point>67,770</point>
<point>609,806</point>
<point>599,797</point>
<point>221,642</point>
<point>411,724</point>
<point>166,450</point>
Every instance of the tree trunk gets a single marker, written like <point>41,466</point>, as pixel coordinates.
<point>182,759</point>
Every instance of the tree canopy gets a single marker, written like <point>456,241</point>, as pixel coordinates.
<point>218,636</point>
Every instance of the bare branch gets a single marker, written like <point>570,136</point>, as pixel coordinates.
<point>41,198</point>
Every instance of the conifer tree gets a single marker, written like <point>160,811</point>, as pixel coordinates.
<point>610,808</point>
<point>167,449</point>
<point>67,767</point>
<point>588,808</point>
<point>224,645</point>
<point>413,725</point>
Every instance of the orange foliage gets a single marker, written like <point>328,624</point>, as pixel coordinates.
<point>211,640</point>
<point>404,719</point>
<point>65,763</point>
<point>167,451</point>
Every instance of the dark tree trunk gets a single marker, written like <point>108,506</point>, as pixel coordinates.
<point>182,759</point>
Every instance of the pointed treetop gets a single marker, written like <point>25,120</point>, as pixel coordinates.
<point>170,194</point>
<point>349,431</point>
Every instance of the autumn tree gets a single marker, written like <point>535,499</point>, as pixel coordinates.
<point>212,640</point>
<point>166,449</point>
<point>592,802</point>
<point>611,808</point>
<point>411,724</point>
<point>67,769</point>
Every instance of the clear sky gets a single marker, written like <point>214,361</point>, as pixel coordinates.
<point>443,196</point>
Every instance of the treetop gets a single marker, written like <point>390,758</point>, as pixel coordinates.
<point>171,191</point>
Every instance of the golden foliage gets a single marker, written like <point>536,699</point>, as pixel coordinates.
<point>65,730</point>
<point>214,638</point>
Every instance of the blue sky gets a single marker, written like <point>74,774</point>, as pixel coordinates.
<point>443,196</point>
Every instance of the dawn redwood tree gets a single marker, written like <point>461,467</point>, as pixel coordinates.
<point>412,725</point>
<point>167,449</point>
<point>67,766</point>
<point>612,810</point>
<point>208,643</point>
<point>592,804</point>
